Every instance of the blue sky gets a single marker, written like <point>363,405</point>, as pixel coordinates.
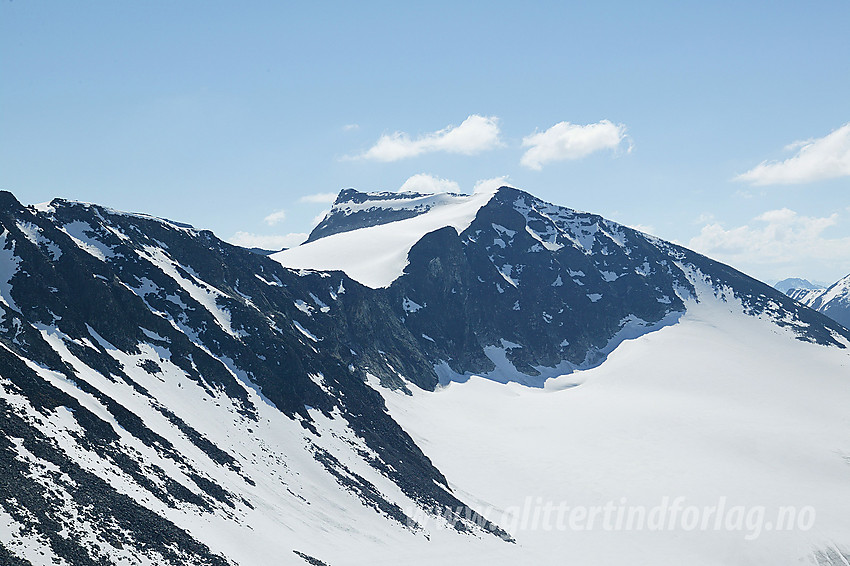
<point>230,115</point>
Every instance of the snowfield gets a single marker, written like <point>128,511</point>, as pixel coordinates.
<point>225,412</point>
<point>720,405</point>
<point>376,256</point>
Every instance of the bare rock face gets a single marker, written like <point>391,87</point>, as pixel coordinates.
<point>154,378</point>
<point>833,301</point>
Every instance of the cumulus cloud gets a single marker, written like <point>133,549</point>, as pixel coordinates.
<point>816,159</point>
<point>424,183</point>
<point>777,242</point>
<point>275,217</point>
<point>322,198</point>
<point>490,185</point>
<point>571,141</point>
<point>474,135</point>
<point>267,242</point>
<point>429,184</point>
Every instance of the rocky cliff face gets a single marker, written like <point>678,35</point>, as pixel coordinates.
<point>550,289</point>
<point>161,390</point>
<point>833,301</point>
<point>99,305</point>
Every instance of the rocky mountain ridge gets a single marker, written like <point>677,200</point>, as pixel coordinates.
<point>833,301</point>
<point>165,395</point>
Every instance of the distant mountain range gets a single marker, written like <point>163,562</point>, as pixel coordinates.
<point>833,301</point>
<point>388,391</point>
<point>796,283</point>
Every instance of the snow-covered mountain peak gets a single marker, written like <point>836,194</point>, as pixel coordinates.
<point>368,235</point>
<point>168,398</point>
<point>508,285</point>
<point>833,301</point>
<point>101,211</point>
<point>792,283</point>
<point>839,289</point>
<point>353,209</point>
<point>183,387</point>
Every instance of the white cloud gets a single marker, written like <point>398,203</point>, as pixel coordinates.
<point>429,184</point>
<point>474,135</point>
<point>777,242</point>
<point>275,217</point>
<point>323,198</point>
<point>490,185</point>
<point>267,242</point>
<point>350,127</point>
<point>816,159</point>
<point>571,141</point>
<point>424,183</point>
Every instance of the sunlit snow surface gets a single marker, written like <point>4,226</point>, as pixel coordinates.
<point>715,405</point>
<point>718,405</point>
<point>839,290</point>
<point>376,256</point>
<point>833,301</point>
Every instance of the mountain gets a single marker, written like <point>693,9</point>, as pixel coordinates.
<point>795,283</point>
<point>517,283</point>
<point>834,301</point>
<point>391,390</point>
<point>158,379</point>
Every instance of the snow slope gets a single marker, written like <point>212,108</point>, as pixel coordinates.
<point>376,256</point>
<point>288,502</point>
<point>168,399</point>
<point>837,291</point>
<point>720,405</point>
<point>833,301</point>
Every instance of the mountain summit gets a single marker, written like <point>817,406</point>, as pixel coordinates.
<point>394,389</point>
<point>833,301</point>
<point>791,283</point>
<point>368,235</point>
<point>470,274</point>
